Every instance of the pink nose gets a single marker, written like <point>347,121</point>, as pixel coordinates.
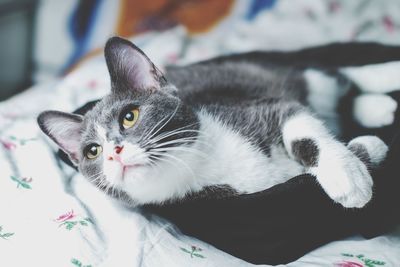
<point>118,149</point>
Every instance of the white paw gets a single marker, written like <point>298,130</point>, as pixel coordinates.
<point>345,180</point>
<point>374,146</point>
<point>375,78</point>
<point>374,110</point>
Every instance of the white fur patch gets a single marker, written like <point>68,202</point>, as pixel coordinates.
<point>236,162</point>
<point>374,110</point>
<point>101,132</point>
<point>376,78</point>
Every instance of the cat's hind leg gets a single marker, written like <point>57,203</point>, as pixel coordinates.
<point>342,175</point>
<point>374,110</point>
<point>375,78</point>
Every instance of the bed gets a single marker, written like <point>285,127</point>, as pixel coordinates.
<point>50,216</point>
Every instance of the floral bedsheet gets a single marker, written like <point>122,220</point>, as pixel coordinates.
<point>49,214</point>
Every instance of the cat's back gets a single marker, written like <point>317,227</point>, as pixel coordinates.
<point>250,99</point>
<point>236,83</point>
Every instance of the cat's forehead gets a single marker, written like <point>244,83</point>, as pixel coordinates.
<point>109,107</point>
<point>103,117</point>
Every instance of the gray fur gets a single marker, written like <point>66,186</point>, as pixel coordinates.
<point>361,152</point>
<point>253,100</point>
<point>306,151</point>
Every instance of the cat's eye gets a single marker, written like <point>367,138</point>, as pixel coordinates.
<point>130,118</point>
<point>92,151</point>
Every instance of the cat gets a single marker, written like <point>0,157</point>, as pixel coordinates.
<point>239,125</point>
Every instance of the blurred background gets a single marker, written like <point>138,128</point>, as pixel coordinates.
<point>42,40</point>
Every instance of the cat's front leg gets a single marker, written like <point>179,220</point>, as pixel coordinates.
<point>342,175</point>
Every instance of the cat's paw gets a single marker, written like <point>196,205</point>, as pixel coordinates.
<point>345,180</point>
<point>374,110</point>
<point>370,149</point>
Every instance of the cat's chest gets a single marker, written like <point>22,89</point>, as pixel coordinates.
<point>233,160</point>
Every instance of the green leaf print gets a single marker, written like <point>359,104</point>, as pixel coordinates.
<point>198,255</point>
<point>22,141</point>
<point>23,182</point>
<point>70,220</point>
<point>5,235</point>
<point>89,220</point>
<point>193,252</point>
<point>185,250</point>
<point>367,262</point>
<point>78,263</point>
<point>347,255</point>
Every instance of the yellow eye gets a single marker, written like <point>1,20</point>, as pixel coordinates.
<point>130,118</point>
<point>93,151</point>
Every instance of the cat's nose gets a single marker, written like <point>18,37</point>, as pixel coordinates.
<point>118,149</point>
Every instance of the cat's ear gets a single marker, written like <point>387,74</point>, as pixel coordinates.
<point>130,68</point>
<point>64,129</point>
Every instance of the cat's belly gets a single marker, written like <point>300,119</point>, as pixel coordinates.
<point>259,172</point>
<point>235,161</point>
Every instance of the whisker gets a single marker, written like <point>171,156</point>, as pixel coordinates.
<point>169,134</point>
<point>94,175</point>
<point>152,129</point>
<point>180,161</point>
<point>170,118</point>
<point>177,141</point>
<point>160,158</point>
<point>195,139</point>
<point>194,151</point>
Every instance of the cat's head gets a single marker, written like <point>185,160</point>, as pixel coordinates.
<point>128,143</point>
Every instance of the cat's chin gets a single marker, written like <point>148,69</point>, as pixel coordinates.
<point>134,173</point>
<point>128,170</point>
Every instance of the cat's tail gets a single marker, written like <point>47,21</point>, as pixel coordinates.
<point>331,56</point>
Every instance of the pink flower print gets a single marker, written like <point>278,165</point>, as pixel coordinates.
<point>348,264</point>
<point>194,252</point>
<point>10,116</point>
<point>360,257</point>
<point>194,248</point>
<point>334,6</point>
<point>92,84</point>
<point>70,220</point>
<point>172,58</point>
<point>388,24</point>
<point>65,217</point>
<point>8,145</point>
<point>27,180</point>
<point>310,13</point>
